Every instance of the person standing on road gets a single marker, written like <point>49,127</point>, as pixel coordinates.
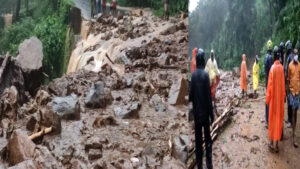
<point>281,51</point>
<point>114,7</point>
<point>244,76</point>
<point>92,8</point>
<point>290,57</point>
<point>255,76</point>
<point>268,65</point>
<point>103,5</point>
<point>293,81</point>
<point>200,96</point>
<point>167,9</point>
<point>275,97</point>
<point>214,76</point>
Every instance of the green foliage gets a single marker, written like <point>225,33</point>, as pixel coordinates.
<point>50,26</point>
<point>51,31</point>
<point>15,34</point>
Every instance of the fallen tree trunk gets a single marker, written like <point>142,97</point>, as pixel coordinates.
<point>4,64</point>
<point>40,133</point>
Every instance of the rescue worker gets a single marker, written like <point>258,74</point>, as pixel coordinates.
<point>281,51</point>
<point>293,81</point>
<point>275,97</point>
<point>255,76</point>
<point>193,61</point>
<point>290,57</point>
<point>214,76</point>
<point>92,8</point>
<point>114,7</point>
<point>167,9</point>
<point>268,65</point>
<point>192,69</point>
<point>103,5</point>
<point>200,96</point>
<point>244,76</point>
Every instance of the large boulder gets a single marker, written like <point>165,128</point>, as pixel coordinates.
<point>180,148</point>
<point>178,92</point>
<point>13,76</point>
<point>20,147</point>
<point>98,96</point>
<point>67,107</point>
<point>30,60</point>
<point>130,110</point>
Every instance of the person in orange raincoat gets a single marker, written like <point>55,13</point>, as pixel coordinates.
<point>275,97</point>
<point>244,76</point>
<point>193,61</point>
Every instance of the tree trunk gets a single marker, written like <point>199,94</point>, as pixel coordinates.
<point>26,6</point>
<point>18,6</point>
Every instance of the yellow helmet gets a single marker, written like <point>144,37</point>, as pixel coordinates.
<point>269,44</point>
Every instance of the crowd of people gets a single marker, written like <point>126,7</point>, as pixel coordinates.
<point>282,73</point>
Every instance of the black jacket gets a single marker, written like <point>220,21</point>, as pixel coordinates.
<point>200,95</point>
<point>268,65</point>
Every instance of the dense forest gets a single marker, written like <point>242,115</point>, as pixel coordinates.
<point>234,27</point>
<point>48,20</point>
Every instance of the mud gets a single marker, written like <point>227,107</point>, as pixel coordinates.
<point>99,138</point>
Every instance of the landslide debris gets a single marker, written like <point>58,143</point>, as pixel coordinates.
<point>104,118</point>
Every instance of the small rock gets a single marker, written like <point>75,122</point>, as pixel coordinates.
<point>103,121</point>
<point>157,102</point>
<point>163,59</point>
<point>129,111</point>
<point>94,154</point>
<point>31,123</point>
<point>97,97</point>
<point>20,147</point>
<point>93,143</point>
<point>178,91</point>
<point>67,107</point>
<point>171,30</point>
<point>180,148</point>
<point>42,97</point>
<point>49,118</point>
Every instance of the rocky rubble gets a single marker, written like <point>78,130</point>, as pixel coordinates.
<point>105,119</point>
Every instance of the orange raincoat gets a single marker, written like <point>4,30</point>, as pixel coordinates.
<point>193,62</point>
<point>244,74</point>
<point>275,99</point>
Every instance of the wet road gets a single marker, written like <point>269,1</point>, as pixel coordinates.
<point>84,5</point>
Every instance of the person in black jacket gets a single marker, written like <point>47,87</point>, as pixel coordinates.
<point>290,57</point>
<point>268,65</point>
<point>200,96</point>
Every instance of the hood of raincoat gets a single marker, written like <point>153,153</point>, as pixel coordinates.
<point>200,60</point>
<point>244,57</point>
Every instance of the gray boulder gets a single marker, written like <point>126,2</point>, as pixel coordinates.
<point>67,107</point>
<point>180,148</point>
<point>128,111</point>
<point>98,96</point>
<point>157,103</point>
<point>30,60</point>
